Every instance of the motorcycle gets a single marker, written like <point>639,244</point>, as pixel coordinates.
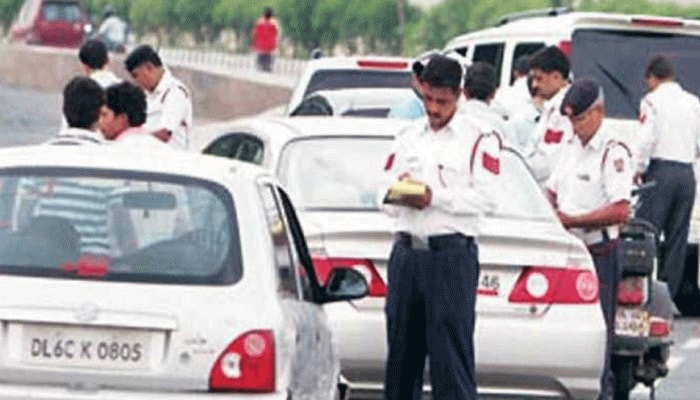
<point>644,319</point>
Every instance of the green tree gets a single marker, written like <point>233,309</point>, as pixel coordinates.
<point>296,19</point>
<point>9,9</point>
<point>156,17</point>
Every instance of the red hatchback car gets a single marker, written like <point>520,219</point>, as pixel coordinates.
<point>60,23</point>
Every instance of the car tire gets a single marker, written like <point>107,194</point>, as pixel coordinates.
<point>623,381</point>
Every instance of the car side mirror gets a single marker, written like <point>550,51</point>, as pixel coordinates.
<point>344,284</point>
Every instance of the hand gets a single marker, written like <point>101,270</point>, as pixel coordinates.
<point>565,219</point>
<point>638,178</point>
<point>418,202</point>
<point>163,134</point>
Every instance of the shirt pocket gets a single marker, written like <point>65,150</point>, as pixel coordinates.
<point>587,188</point>
<point>450,172</point>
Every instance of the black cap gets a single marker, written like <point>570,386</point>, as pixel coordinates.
<point>580,96</point>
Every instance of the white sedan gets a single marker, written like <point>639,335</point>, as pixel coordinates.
<point>142,275</point>
<point>540,331</point>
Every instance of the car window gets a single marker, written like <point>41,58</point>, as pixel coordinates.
<point>289,285</point>
<point>519,195</point>
<point>617,60</point>
<point>61,11</point>
<point>491,53</point>
<point>116,226</point>
<point>462,50</point>
<point>339,173</point>
<point>238,146</point>
<point>352,78</point>
<point>525,49</point>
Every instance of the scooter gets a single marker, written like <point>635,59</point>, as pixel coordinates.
<point>644,319</point>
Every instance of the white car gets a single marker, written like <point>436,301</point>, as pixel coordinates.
<point>612,48</point>
<point>142,275</point>
<point>372,102</point>
<point>329,73</point>
<point>539,331</point>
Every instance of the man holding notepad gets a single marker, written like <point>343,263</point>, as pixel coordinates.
<point>443,171</point>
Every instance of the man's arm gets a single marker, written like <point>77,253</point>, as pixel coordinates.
<point>612,214</point>
<point>648,135</point>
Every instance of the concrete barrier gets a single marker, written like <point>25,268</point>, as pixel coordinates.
<point>218,94</point>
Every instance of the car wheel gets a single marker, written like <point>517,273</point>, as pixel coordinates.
<point>623,381</point>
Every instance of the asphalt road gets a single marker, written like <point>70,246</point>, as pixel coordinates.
<point>30,117</point>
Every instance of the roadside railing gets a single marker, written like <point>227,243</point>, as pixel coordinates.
<point>292,68</point>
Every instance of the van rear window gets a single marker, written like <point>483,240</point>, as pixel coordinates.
<point>352,79</point>
<point>61,11</point>
<point>117,226</point>
<point>617,59</point>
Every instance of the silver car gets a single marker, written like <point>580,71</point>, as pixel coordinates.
<point>143,275</point>
<point>540,331</point>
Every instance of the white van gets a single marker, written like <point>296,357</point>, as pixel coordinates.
<point>612,48</point>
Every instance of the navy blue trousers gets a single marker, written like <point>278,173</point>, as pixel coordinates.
<point>606,257</point>
<point>430,310</point>
<point>668,207</point>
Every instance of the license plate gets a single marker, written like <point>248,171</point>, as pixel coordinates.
<point>631,322</point>
<point>81,347</point>
<point>490,284</point>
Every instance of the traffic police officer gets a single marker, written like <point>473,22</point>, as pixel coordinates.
<point>590,189</point>
<point>549,72</point>
<point>169,115</point>
<point>670,124</point>
<point>434,267</point>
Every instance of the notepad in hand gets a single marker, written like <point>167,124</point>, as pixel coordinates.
<point>403,188</point>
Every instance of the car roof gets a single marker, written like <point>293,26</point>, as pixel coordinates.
<point>563,24</point>
<point>360,62</point>
<point>130,158</point>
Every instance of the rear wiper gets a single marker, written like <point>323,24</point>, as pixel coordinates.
<point>620,86</point>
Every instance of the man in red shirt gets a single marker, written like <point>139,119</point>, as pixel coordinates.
<point>265,36</point>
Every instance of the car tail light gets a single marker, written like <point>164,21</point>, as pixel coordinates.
<point>661,22</point>
<point>659,327</point>
<point>546,285</point>
<point>565,47</point>
<point>324,265</point>
<point>247,364</point>
<point>381,64</point>
<point>631,291</point>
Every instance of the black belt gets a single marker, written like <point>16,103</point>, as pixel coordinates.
<point>435,242</point>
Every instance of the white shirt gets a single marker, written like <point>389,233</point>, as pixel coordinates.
<point>482,111</point>
<point>105,78</point>
<point>77,136</point>
<point>552,129</point>
<point>114,29</point>
<point>137,136</point>
<point>592,176</point>
<point>459,163</point>
<point>170,107</point>
<point>514,97</point>
<point>669,126</point>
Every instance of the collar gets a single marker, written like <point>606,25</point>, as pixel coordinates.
<point>477,106</point>
<point>446,130</point>
<point>556,100</point>
<point>164,83</point>
<point>80,133</point>
<point>132,131</point>
<point>668,85</point>
<point>598,140</point>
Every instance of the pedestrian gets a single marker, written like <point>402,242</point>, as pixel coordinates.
<point>123,115</point>
<point>82,100</point>
<point>94,61</point>
<point>412,107</point>
<point>549,70</point>
<point>669,127</point>
<point>479,91</point>
<point>265,37</point>
<point>590,190</point>
<point>113,31</point>
<point>444,172</point>
<point>169,111</point>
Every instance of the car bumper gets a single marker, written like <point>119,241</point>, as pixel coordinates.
<point>556,356</point>
<point>22,392</point>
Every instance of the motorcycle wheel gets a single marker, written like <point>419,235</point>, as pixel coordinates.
<point>623,380</point>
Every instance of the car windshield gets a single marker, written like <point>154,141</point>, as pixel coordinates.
<point>617,59</point>
<point>334,173</point>
<point>61,11</point>
<point>116,226</point>
<point>354,78</point>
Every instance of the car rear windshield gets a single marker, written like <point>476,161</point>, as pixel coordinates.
<point>117,226</point>
<point>61,11</point>
<point>334,173</point>
<point>617,59</point>
<point>353,78</point>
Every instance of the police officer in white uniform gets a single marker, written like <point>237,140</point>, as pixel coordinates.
<point>169,115</point>
<point>591,188</point>
<point>549,71</point>
<point>434,267</point>
<point>669,133</point>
